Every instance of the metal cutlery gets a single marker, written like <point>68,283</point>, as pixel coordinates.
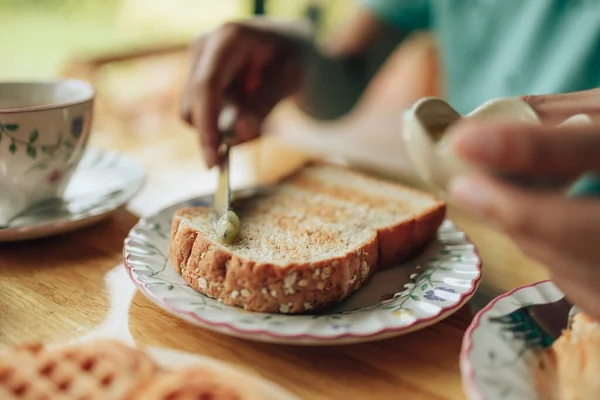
<point>226,222</point>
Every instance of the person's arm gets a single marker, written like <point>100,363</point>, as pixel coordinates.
<point>254,64</point>
<point>338,73</point>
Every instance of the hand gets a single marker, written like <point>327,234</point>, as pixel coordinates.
<point>253,64</point>
<point>555,108</point>
<point>561,232</point>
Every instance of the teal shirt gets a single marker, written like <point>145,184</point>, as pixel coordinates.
<point>506,48</point>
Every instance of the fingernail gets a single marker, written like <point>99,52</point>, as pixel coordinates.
<point>475,143</point>
<point>474,196</point>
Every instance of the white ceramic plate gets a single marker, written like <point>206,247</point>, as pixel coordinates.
<point>493,363</point>
<point>103,182</point>
<point>391,304</point>
<point>173,359</point>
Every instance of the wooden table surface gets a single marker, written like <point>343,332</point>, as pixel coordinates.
<point>70,286</point>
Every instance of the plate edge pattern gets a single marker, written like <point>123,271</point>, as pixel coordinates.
<point>190,315</point>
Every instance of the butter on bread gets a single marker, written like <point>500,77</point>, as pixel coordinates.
<point>570,369</point>
<point>308,243</point>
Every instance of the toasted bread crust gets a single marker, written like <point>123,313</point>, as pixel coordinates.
<point>401,242</point>
<point>217,272</point>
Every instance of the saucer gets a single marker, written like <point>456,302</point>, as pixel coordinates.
<point>103,182</point>
<point>495,363</point>
<point>396,301</point>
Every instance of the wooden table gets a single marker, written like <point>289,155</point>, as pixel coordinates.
<point>62,288</point>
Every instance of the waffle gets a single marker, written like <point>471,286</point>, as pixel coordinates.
<point>103,369</point>
<point>200,382</point>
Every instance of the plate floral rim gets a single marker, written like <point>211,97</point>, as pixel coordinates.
<point>423,322</point>
<point>469,382</point>
<point>260,333</point>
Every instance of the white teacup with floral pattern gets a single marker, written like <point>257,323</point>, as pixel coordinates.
<point>44,128</point>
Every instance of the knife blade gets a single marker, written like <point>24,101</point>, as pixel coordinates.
<point>225,220</point>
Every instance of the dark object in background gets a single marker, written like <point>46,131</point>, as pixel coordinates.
<point>259,7</point>
<point>313,11</point>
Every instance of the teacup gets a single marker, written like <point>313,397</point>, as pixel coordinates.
<point>425,131</point>
<point>44,129</point>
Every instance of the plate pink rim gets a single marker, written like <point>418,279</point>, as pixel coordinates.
<point>163,303</point>
<point>467,346</point>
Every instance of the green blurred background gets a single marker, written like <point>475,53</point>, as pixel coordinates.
<point>38,36</point>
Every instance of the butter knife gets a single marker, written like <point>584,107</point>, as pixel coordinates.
<point>225,220</point>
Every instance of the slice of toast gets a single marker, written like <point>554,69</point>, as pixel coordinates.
<point>315,238</point>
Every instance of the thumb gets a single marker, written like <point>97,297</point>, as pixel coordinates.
<point>554,109</point>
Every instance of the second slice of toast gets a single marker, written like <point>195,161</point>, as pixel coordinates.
<point>315,238</point>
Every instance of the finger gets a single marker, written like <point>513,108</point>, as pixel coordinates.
<point>578,281</point>
<point>236,55</point>
<point>569,225</point>
<point>225,55</point>
<point>581,290</point>
<point>264,88</point>
<point>556,108</point>
<point>571,268</point>
<point>557,263</point>
<point>529,149</point>
<point>206,107</point>
<point>196,50</point>
<point>247,126</point>
<point>278,80</point>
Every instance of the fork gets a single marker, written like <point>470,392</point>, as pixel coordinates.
<point>538,325</point>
